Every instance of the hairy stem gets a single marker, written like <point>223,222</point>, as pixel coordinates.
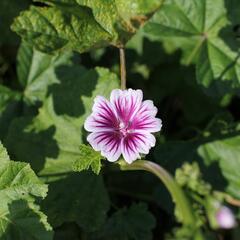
<point>122,68</point>
<point>178,196</point>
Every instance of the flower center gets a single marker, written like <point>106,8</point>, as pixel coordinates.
<point>123,128</point>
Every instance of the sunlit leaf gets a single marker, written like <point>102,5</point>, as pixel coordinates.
<point>36,71</point>
<point>20,217</point>
<point>203,30</point>
<point>226,153</point>
<point>83,25</point>
<point>88,158</point>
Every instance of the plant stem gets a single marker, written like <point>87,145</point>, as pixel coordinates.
<point>122,68</point>
<point>176,192</point>
<point>232,201</point>
<point>178,196</point>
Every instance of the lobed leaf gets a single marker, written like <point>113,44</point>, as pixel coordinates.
<point>88,158</point>
<point>80,198</point>
<point>203,30</point>
<point>20,217</point>
<point>225,152</point>
<point>36,71</point>
<point>50,29</point>
<point>82,25</point>
<point>133,223</point>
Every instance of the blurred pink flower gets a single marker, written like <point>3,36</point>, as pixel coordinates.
<point>225,218</point>
<point>122,125</point>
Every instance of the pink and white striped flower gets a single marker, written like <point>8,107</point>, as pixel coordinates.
<point>123,125</point>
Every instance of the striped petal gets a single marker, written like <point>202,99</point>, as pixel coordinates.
<point>135,143</point>
<point>126,103</point>
<point>103,117</point>
<point>145,118</point>
<point>109,143</point>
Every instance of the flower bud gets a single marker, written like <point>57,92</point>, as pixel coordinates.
<point>225,218</point>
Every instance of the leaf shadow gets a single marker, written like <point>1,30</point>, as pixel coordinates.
<point>218,88</point>
<point>12,111</point>
<point>232,7</point>
<point>22,221</point>
<point>75,82</point>
<point>28,145</point>
<point>77,197</point>
<point>229,33</point>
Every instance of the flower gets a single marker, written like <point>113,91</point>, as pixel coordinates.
<point>122,125</point>
<point>225,218</point>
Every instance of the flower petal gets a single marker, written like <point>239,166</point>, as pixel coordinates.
<point>145,118</point>
<point>126,103</point>
<point>144,141</point>
<point>135,143</point>
<point>109,143</point>
<point>103,117</point>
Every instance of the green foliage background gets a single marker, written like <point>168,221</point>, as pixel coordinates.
<point>184,55</point>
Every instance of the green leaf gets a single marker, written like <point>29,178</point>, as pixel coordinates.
<point>50,29</point>
<point>88,158</point>
<point>226,152</point>
<point>24,221</point>
<point>80,198</point>
<point>115,16</point>
<point>19,181</point>
<point>3,154</point>
<point>134,223</point>
<point>51,140</point>
<point>20,217</point>
<point>203,31</point>
<point>36,71</point>
<point>83,25</point>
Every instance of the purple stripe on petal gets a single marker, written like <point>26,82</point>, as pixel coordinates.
<point>126,103</point>
<point>109,143</point>
<point>102,118</point>
<point>130,149</point>
<point>145,118</point>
